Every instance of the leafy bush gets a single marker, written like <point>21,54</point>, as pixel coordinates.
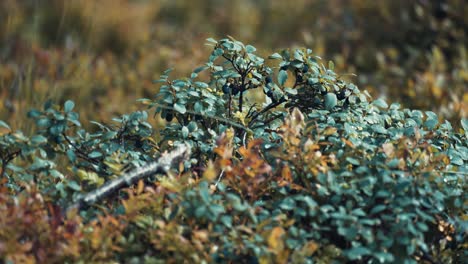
<point>290,163</point>
<point>89,52</point>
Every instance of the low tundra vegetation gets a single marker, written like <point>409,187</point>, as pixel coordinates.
<point>289,163</point>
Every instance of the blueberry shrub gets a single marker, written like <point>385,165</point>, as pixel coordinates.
<point>289,163</point>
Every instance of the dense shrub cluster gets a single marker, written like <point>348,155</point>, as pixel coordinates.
<point>413,52</point>
<point>290,163</point>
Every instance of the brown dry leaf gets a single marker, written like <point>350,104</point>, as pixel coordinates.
<point>348,143</point>
<point>286,174</point>
<point>310,248</point>
<point>388,149</point>
<point>201,235</point>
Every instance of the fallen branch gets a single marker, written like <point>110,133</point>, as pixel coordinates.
<point>162,166</point>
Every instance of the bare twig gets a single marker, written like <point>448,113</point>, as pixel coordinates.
<point>80,152</point>
<point>5,160</point>
<point>161,166</point>
<point>426,257</point>
<point>268,107</point>
<point>220,119</point>
<point>219,178</point>
<point>267,121</point>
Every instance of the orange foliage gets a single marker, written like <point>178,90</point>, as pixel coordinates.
<point>248,174</point>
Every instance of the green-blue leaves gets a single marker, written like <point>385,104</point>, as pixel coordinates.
<point>282,77</point>
<point>68,106</point>
<point>95,154</point>
<point>330,101</point>
<point>357,253</point>
<point>275,56</point>
<point>250,48</point>
<point>180,108</point>
<point>38,139</point>
<point>464,123</point>
<point>311,171</point>
<point>5,125</point>
<point>380,103</point>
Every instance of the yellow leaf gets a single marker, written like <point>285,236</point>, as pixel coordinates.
<point>329,131</point>
<point>230,133</point>
<point>210,173</point>
<point>274,239</point>
<point>264,260</point>
<point>170,184</point>
<point>140,186</point>
<point>114,167</point>
<point>90,176</point>
<point>241,116</point>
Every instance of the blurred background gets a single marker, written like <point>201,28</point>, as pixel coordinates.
<point>104,54</point>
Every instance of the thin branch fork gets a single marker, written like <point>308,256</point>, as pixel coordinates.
<point>162,166</point>
<point>268,107</point>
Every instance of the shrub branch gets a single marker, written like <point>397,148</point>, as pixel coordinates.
<point>162,166</point>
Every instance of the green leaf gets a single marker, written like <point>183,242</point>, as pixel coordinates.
<point>380,103</point>
<point>95,154</point>
<point>290,91</point>
<point>250,49</point>
<point>353,161</point>
<point>61,188</point>
<point>357,252</point>
<point>431,123</point>
<point>180,108</point>
<point>200,211</point>
<point>464,123</point>
<point>348,232</point>
<point>201,85</point>
<point>192,126</point>
<point>109,135</point>
<point>40,164</point>
<point>218,52</point>
<point>384,257</point>
<point>71,155</point>
<point>185,132</point>
<point>282,77</point>
<point>74,185</point>
<point>34,113</point>
<point>379,129</point>
<point>275,56</point>
<point>212,41</point>
<point>200,69</point>
<point>204,193</point>
<point>68,106</point>
<point>393,163</point>
<point>378,209</point>
<point>226,220</point>
<point>43,122</point>
<point>331,65</point>
<point>5,125</point>
<point>57,129</point>
<point>56,174</point>
<point>38,139</point>
<point>288,204</point>
<point>297,64</point>
<point>330,101</point>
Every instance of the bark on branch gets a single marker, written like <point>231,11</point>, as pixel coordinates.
<point>161,166</point>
